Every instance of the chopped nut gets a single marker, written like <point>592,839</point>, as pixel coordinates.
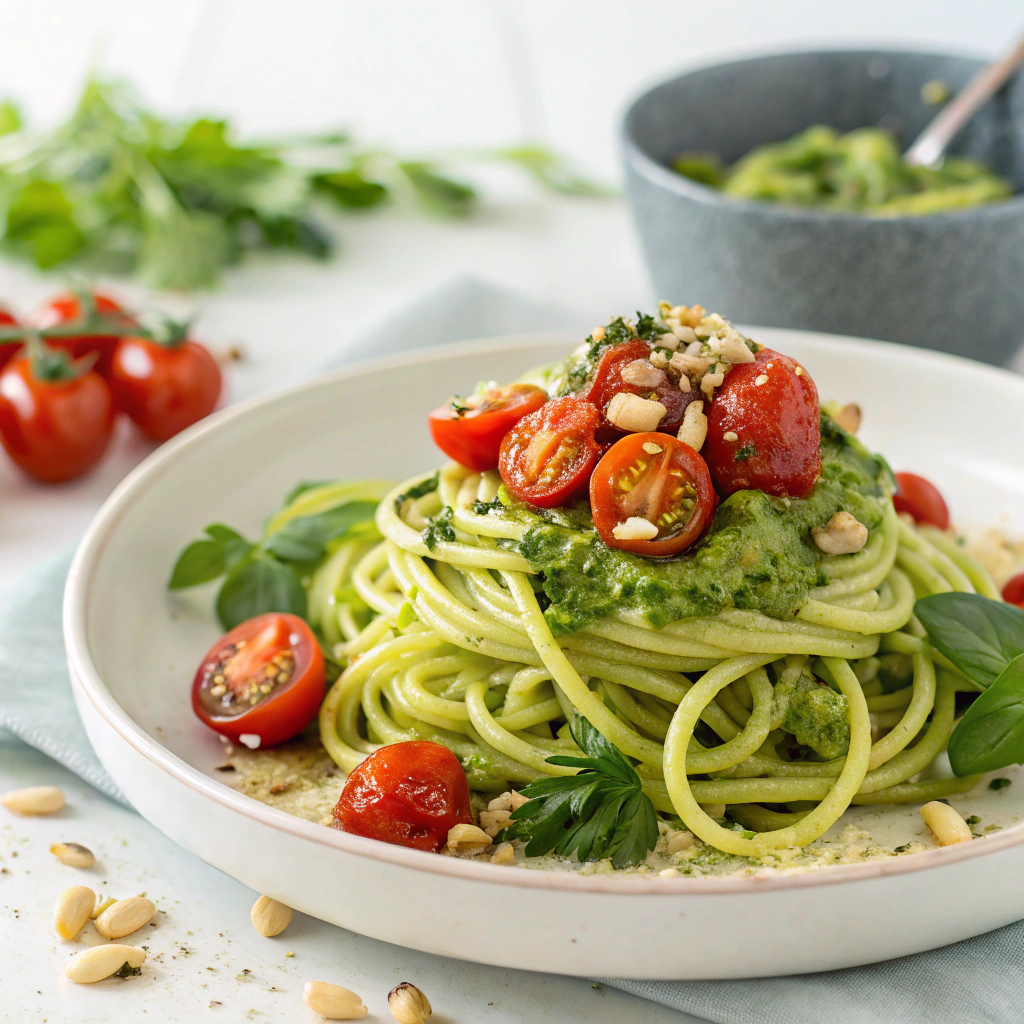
<point>651,448</point>
<point>760,379</point>
<point>125,916</point>
<point>710,381</point>
<point>492,822</point>
<point>74,854</point>
<point>504,853</point>
<point>684,384</point>
<point>33,800</point>
<point>841,535</point>
<point>72,910</point>
<point>510,801</point>
<point>668,340</point>
<point>632,413</point>
<point>848,417</point>
<point>688,365</point>
<point>684,333</point>
<point>731,346</point>
<point>679,841</point>
<point>669,873</point>
<point>333,1001</point>
<point>408,1005</point>
<point>730,436</point>
<point>101,962</point>
<point>467,839</point>
<point>635,528</point>
<point>659,359</point>
<point>643,374</point>
<point>269,917</point>
<point>694,428</point>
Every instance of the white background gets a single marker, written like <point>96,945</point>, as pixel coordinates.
<point>416,75</point>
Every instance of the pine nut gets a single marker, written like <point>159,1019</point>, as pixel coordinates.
<point>74,854</point>
<point>125,916</point>
<point>33,800</point>
<point>101,906</point>
<point>72,910</point>
<point>504,853</point>
<point>269,917</point>
<point>408,1005</point>
<point>333,1001</point>
<point>101,962</point>
<point>679,841</point>
<point>946,825</point>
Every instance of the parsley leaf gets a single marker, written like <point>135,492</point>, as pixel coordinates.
<point>439,528</point>
<point>600,812</point>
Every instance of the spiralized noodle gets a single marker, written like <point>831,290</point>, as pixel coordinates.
<point>452,645</point>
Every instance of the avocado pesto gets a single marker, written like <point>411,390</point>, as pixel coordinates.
<point>758,553</point>
<point>861,171</point>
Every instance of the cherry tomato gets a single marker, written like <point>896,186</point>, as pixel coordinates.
<point>8,349</point>
<point>471,432</point>
<point>1013,592</point>
<point>54,429</point>
<point>66,308</point>
<point>608,382</point>
<point>547,457</point>
<point>164,388</point>
<point>921,499</point>
<point>764,429</point>
<point>409,794</point>
<point>655,478</point>
<point>266,678</point>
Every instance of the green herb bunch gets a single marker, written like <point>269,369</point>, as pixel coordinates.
<point>599,812</point>
<point>118,189</point>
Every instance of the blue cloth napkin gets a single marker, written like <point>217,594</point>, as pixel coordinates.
<point>974,981</point>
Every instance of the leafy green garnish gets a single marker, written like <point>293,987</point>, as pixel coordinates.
<point>984,639</point>
<point>747,451</point>
<point>118,188</point>
<point>997,784</point>
<point>127,971</point>
<point>599,812</point>
<point>305,538</point>
<point>418,490</point>
<point>439,528</point>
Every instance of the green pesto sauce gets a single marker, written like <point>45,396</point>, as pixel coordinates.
<point>861,171</point>
<point>757,554</point>
<point>811,711</point>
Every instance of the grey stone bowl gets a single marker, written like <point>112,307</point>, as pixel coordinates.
<point>952,282</point>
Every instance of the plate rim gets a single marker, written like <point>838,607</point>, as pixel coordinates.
<point>88,683</point>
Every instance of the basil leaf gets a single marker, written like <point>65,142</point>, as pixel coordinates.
<point>236,547</point>
<point>256,585</point>
<point>300,489</point>
<point>978,635</point>
<point>200,562</point>
<point>991,733</point>
<point>305,538</point>
<point>437,193</point>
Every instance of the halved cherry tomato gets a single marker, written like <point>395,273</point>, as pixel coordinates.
<point>66,308</point>
<point>266,678</point>
<point>921,499</point>
<point>764,429</point>
<point>164,388</point>
<point>1013,592</point>
<point>471,431</point>
<point>547,457</point>
<point>409,794</point>
<point>658,479</point>
<point>54,429</point>
<point>608,382</point>
<point>8,349</point>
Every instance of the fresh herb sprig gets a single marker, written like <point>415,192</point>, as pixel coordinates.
<point>119,189</point>
<point>600,812</point>
<point>984,639</point>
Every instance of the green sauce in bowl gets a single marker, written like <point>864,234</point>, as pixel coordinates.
<point>862,171</point>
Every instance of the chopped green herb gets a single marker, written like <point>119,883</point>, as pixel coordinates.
<point>482,508</point>
<point>747,451</point>
<point>749,834</point>
<point>998,784</point>
<point>973,820</point>
<point>458,405</point>
<point>902,849</point>
<point>418,490</point>
<point>127,971</point>
<point>439,528</point>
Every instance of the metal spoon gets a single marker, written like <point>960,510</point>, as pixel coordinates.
<point>931,144</point>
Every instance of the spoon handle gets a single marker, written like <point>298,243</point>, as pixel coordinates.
<point>930,145</point>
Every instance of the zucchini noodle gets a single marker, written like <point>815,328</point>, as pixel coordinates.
<point>451,644</point>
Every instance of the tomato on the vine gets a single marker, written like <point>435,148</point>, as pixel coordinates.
<point>164,387</point>
<point>471,430</point>
<point>547,457</point>
<point>8,349</point>
<point>651,494</point>
<point>921,500</point>
<point>264,680</point>
<point>1013,592</point>
<point>56,419</point>
<point>65,309</point>
<point>764,428</point>
<point>410,794</point>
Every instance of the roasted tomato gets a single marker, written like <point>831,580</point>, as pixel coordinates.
<point>8,349</point>
<point>608,381</point>
<point>764,429</point>
<point>470,431</point>
<point>1013,592</point>
<point>55,419</point>
<point>547,457</point>
<point>164,388</point>
<point>920,499</point>
<point>409,794</point>
<point>67,308</point>
<point>651,494</point>
<point>264,681</point>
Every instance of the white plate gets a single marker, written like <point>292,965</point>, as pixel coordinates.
<point>132,649</point>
